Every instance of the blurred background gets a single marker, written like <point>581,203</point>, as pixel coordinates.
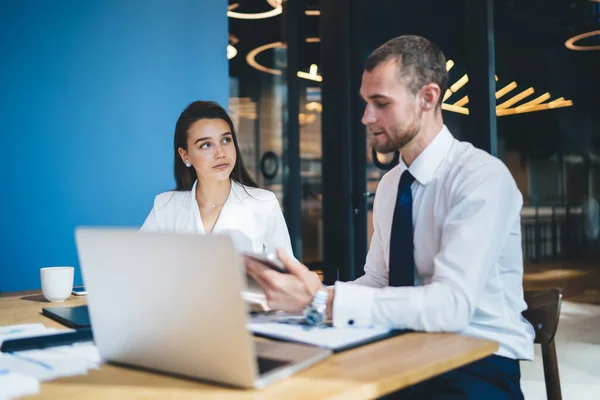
<point>546,97</point>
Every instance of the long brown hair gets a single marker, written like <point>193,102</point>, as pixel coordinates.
<point>184,176</point>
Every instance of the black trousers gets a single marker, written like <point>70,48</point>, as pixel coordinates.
<point>491,378</point>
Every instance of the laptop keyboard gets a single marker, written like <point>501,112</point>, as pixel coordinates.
<point>268,364</point>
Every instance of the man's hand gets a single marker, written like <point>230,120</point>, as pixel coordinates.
<point>286,292</point>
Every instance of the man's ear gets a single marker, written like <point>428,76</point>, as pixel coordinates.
<point>431,94</point>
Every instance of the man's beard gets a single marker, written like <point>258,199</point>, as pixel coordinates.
<point>399,135</point>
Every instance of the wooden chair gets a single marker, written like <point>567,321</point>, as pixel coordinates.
<point>543,310</point>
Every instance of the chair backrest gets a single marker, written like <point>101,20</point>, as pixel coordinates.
<point>543,310</point>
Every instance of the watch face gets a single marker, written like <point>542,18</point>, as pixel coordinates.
<point>313,317</point>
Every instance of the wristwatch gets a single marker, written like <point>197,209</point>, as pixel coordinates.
<point>316,312</point>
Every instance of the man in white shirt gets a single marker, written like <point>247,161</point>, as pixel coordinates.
<point>446,249</point>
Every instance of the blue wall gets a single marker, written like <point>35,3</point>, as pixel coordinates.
<point>89,95</point>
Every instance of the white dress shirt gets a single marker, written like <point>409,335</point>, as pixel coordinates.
<point>252,217</point>
<point>467,248</point>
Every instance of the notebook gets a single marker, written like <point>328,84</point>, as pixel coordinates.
<point>325,336</point>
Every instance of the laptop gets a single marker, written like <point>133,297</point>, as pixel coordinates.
<point>172,303</point>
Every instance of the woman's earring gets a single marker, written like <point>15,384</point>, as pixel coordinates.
<point>188,164</point>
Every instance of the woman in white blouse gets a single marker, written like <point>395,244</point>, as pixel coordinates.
<point>215,193</point>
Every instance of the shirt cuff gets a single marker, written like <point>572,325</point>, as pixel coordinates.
<point>353,305</point>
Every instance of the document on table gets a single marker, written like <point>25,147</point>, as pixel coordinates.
<point>336,339</point>
<point>53,362</point>
<point>13,385</point>
<point>24,330</point>
<point>21,372</point>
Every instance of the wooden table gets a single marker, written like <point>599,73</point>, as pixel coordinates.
<point>363,373</point>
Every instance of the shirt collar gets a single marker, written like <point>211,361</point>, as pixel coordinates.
<point>192,200</point>
<point>424,166</point>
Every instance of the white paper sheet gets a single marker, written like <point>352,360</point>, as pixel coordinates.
<point>20,372</point>
<point>326,336</point>
<point>23,330</point>
<point>13,385</point>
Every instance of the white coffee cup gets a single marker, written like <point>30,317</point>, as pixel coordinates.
<point>57,283</point>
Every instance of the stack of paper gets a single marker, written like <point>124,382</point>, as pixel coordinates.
<point>14,385</point>
<point>20,372</point>
<point>256,301</point>
<point>293,329</point>
<point>24,330</point>
<point>53,362</point>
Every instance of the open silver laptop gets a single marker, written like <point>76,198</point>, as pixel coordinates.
<point>171,302</point>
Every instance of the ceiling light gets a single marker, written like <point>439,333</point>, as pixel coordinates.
<point>570,44</point>
<point>505,89</point>
<point>251,60</point>
<point>456,109</point>
<point>462,102</point>
<point>311,75</point>
<point>539,107</point>
<point>447,94</point>
<point>231,52</point>
<point>503,109</point>
<point>277,9</point>
<point>459,83</point>
<point>536,101</point>
<point>515,99</point>
<point>314,106</point>
<point>251,57</point>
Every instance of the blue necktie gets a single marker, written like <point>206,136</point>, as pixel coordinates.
<point>402,257</point>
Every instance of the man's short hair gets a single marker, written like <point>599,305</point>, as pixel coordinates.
<point>419,62</point>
